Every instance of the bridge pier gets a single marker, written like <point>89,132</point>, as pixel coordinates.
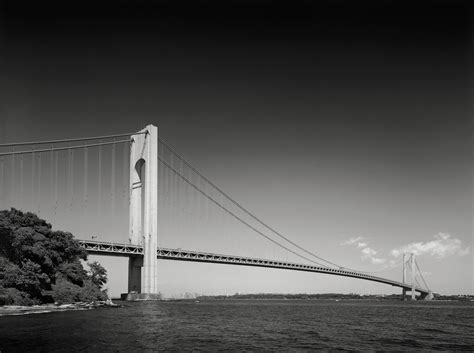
<point>423,295</point>
<point>426,296</point>
<point>410,296</point>
<point>135,274</point>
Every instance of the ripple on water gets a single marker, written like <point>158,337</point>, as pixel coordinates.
<point>245,325</point>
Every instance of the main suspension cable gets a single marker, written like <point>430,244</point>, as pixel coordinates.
<point>63,148</point>
<point>243,208</point>
<point>234,215</point>
<point>71,140</point>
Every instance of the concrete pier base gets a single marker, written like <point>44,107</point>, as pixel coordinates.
<point>134,297</point>
<point>135,274</point>
<point>427,296</point>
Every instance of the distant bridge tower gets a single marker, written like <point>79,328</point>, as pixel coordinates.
<point>409,263</point>
<point>142,272</point>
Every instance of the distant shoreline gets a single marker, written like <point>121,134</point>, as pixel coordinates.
<point>328,296</point>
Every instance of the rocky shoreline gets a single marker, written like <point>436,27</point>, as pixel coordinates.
<point>47,308</point>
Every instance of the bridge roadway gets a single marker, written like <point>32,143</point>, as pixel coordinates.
<point>129,250</point>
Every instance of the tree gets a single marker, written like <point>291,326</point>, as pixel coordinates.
<point>38,264</point>
<point>97,274</point>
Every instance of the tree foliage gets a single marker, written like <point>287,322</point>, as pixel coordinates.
<point>98,274</point>
<point>39,264</point>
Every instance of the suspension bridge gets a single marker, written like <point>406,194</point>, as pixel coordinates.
<point>93,182</point>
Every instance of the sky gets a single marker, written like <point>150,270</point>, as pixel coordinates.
<point>346,126</point>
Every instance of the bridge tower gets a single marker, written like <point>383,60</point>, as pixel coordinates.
<point>143,213</point>
<point>409,263</point>
<point>404,280</point>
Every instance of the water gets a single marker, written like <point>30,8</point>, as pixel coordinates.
<point>255,325</point>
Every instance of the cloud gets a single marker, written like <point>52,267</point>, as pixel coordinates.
<point>377,261</point>
<point>368,252</point>
<point>353,240</point>
<point>442,246</point>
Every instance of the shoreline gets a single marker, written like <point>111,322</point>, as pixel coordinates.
<point>15,310</point>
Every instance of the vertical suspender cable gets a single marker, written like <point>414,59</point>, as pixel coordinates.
<point>191,199</point>
<point>178,196</point>
<point>207,203</point>
<point>183,192</point>
<point>39,183</point>
<point>2,178</point>
<point>100,177</point>
<point>170,193</point>
<point>56,160</point>
<point>51,174</point>
<point>167,195</point>
<point>167,190</point>
<point>202,203</point>
<point>86,164</point>
<point>124,175</point>
<point>170,182</point>
<point>68,188</point>
<point>72,181</point>
<point>112,177</point>
<point>33,168</point>
<point>12,190</point>
<point>181,199</point>
<point>21,182</point>
<point>174,196</point>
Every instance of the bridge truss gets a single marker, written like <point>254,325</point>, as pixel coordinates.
<point>129,250</point>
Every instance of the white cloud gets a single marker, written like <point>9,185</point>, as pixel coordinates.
<point>353,240</point>
<point>442,246</point>
<point>377,261</point>
<point>368,252</point>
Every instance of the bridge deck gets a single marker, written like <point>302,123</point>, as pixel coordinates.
<point>128,250</point>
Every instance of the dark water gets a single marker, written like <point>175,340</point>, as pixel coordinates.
<point>258,325</point>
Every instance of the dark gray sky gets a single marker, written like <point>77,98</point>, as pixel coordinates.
<point>357,112</point>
